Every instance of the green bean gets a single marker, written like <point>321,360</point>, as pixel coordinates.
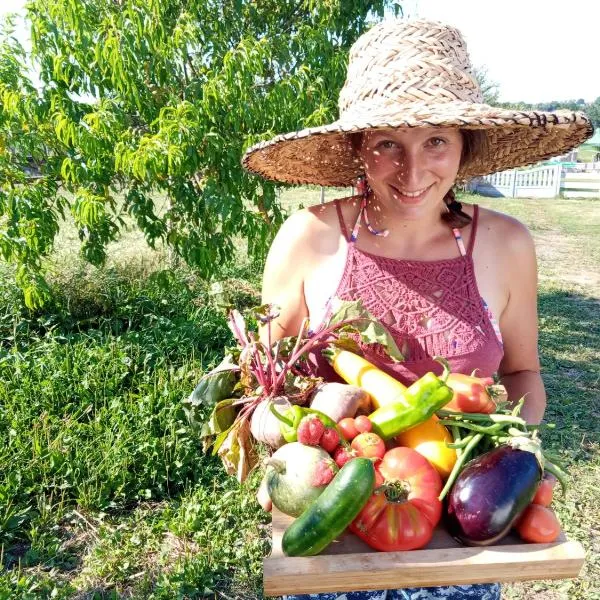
<point>479,417</point>
<point>518,432</point>
<point>555,459</point>
<point>558,473</point>
<point>459,445</point>
<point>471,427</point>
<point>459,464</point>
<point>458,442</point>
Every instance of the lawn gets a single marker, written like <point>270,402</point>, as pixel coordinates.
<point>106,493</point>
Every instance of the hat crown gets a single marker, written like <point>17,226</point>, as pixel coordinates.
<point>397,63</point>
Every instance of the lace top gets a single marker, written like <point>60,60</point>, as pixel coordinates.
<point>431,308</point>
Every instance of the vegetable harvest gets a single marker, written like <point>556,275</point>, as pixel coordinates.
<point>389,463</point>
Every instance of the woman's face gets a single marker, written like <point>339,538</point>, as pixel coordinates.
<point>411,169</point>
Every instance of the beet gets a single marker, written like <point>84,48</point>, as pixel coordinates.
<point>490,494</point>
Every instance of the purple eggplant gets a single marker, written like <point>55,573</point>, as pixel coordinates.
<point>491,492</point>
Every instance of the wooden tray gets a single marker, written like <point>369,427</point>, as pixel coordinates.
<point>348,564</point>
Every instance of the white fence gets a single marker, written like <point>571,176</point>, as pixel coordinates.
<point>548,181</point>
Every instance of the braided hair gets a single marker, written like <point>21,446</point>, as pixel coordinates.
<point>454,216</point>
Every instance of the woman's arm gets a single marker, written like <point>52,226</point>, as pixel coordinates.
<point>283,277</point>
<point>520,368</point>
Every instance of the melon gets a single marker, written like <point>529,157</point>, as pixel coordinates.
<point>295,478</point>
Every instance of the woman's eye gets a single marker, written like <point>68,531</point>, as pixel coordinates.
<point>387,144</point>
<point>437,141</point>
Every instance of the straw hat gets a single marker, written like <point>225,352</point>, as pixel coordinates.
<point>413,74</point>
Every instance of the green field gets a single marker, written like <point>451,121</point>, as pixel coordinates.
<point>106,493</point>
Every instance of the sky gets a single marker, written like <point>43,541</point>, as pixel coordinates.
<point>536,50</point>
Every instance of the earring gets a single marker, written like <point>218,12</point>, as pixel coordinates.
<point>364,189</point>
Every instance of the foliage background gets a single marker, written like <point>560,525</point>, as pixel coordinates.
<point>147,98</point>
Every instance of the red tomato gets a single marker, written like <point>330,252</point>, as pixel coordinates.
<point>402,512</point>
<point>538,524</point>
<point>543,496</point>
<point>369,445</point>
<point>363,423</point>
<point>348,428</point>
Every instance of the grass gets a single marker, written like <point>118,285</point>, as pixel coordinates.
<point>104,491</point>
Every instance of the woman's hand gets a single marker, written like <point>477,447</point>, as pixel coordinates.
<point>263,495</point>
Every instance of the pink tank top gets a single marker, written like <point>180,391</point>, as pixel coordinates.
<point>430,308</point>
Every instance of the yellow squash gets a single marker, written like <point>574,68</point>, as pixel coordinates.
<point>355,370</point>
<point>429,439</point>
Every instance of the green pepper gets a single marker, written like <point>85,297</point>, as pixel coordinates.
<point>289,421</point>
<point>419,402</point>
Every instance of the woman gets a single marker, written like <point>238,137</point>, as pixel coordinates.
<point>460,282</point>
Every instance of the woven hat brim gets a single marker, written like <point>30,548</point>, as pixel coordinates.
<point>324,156</point>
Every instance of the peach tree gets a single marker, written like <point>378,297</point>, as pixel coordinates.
<point>142,112</point>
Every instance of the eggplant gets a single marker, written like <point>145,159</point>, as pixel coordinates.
<point>492,491</point>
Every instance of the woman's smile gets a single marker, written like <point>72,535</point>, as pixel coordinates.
<point>410,197</point>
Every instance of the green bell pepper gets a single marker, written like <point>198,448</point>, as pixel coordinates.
<point>419,402</point>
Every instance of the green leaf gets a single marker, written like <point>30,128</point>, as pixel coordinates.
<point>221,418</point>
<point>213,387</point>
<point>370,330</point>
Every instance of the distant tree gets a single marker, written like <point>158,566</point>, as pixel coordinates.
<point>593,111</point>
<point>147,98</point>
<point>489,88</point>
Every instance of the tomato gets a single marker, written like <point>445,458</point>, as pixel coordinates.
<point>347,426</point>
<point>363,424</point>
<point>538,524</point>
<point>369,445</point>
<point>403,511</point>
<point>341,455</point>
<point>543,496</point>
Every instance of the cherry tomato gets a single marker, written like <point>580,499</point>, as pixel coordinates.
<point>403,511</point>
<point>348,428</point>
<point>369,445</point>
<point>543,496</point>
<point>363,424</point>
<point>342,455</point>
<point>538,524</point>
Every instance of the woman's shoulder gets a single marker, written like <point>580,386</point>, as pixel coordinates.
<point>502,231</point>
<point>321,219</point>
<point>315,229</point>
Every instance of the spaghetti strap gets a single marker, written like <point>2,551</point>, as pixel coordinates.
<point>473,229</point>
<point>341,220</point>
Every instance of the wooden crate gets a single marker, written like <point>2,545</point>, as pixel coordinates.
<point>348,564</point>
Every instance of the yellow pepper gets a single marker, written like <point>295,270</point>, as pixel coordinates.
<point>429,439</point>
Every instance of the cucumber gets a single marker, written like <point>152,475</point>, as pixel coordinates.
<point>332,511</point>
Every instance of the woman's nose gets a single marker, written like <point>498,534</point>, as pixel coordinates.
<point>410,172</point>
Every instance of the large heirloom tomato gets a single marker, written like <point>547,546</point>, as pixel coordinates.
<point>404,509</point>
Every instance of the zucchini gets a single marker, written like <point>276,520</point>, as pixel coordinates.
<point>332,511</point>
